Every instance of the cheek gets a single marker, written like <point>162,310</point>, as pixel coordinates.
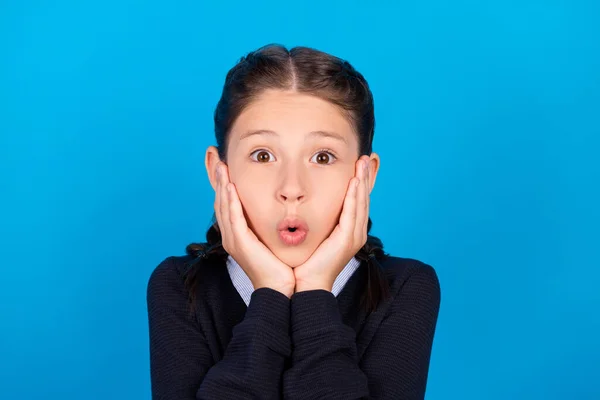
<point>252,196</point>
<point>332,195</point>
<point>329,200</point>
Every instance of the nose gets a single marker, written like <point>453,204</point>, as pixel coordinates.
<point>291,188</point>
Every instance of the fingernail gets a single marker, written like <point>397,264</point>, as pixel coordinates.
<point>218,171</point>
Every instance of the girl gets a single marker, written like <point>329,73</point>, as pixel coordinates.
<point>290,297</point>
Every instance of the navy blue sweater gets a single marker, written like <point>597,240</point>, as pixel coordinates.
<point>312,346</point>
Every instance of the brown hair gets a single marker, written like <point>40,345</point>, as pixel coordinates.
<point>310,71</point>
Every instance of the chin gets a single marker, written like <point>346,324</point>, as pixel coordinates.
<point>292,256</point>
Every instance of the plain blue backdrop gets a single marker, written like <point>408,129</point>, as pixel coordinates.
<point>487,125</point>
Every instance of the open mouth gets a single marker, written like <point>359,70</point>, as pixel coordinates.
<point>292,230</point>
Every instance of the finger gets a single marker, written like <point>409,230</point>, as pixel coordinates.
<point>367,198</point>
<point>217,204</point>
<point>361,205</point>
<point>224,203</point>
<point>236,213</point>
<point>351,200</point>
<point>348,217</point>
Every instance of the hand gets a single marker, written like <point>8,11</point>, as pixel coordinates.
<point>262,267</point>
<point>348,237</point>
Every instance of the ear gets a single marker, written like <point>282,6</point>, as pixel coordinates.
<point>374,163</point>
<point>211,161</point>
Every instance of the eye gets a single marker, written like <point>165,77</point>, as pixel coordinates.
<point>262,156</point>
<point>324,157</point>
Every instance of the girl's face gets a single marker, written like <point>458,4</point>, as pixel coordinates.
<point>291,155</point>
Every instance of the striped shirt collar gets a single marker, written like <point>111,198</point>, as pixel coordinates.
<point>245,288</point>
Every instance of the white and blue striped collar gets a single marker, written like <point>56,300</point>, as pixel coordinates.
<point>245,288</point>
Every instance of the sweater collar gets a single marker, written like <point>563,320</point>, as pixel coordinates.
<point>245,288</point>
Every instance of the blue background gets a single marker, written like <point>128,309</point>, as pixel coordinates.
<point>487,124</point>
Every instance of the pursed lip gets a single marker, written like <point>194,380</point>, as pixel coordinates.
<point>292,221</point>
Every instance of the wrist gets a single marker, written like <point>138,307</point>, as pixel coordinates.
<point>304,287</point>
<point>305,282</point>
<point>285,289</point>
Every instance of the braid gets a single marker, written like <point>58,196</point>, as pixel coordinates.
<point>376,288</point>
<point>210,251</point>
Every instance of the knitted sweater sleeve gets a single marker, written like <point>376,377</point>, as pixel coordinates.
<point>181,364</point>
<point>395,364</point>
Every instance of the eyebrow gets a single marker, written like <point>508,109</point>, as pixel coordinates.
<point>268,132</point>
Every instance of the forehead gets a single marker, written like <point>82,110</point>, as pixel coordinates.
<point>292,113</point>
